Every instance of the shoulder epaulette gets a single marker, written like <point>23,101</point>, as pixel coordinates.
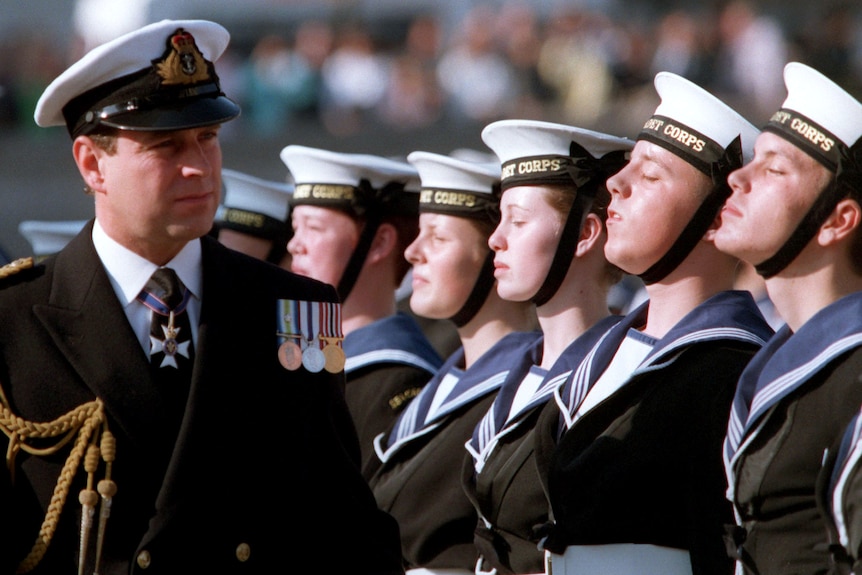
<point>13,268</point>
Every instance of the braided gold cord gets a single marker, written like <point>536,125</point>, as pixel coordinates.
<point>13,268</point>
<point>80,423</point>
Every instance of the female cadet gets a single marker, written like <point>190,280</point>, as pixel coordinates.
<point>352,219</point>
<point>635,480</point>
<point>549,249</point>
<point>418,480</point>
<point>795,215</point>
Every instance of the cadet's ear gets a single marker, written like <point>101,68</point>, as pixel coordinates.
<point>591,231</point>
<point>87,155</point>
<point>385,242</point>
<point>841,223</point>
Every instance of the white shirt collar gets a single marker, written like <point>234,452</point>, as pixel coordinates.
<point>129,272</point>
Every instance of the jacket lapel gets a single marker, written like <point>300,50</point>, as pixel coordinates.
<point>91,330</point>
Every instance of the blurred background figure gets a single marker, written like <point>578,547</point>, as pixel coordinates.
<point>520,34</point>
<point>679,47</point>
<point>279,81</point>
<point>355,77</point>
<point>254,217</point>
<point>752,54</point>
<point>98,21</point>
<point>477,80</point>
<point>413,98</point>
<point>576,62</point>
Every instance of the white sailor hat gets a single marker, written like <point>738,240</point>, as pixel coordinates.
<point>694,124</point>
<point>49,237</point>
<point>458,187</point>
<point>355,183</point>
<point>817,116</point>
<point>253,205</point>
<point>159,77</point>
<point>472,155</point>
<point>533,152</point>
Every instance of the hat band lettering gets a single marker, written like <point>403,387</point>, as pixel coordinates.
<point>808,135</point>
<point>331,195</point>
<point>692,146</point>
<point>253,223</point>
<point>542,170</point>
<point>458,202</point>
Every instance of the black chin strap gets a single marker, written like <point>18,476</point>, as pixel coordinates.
<point>703,217</point>
<point>847,180</point>
<point>372,203</point>
<point>587,174</point>
<point>479,293</point>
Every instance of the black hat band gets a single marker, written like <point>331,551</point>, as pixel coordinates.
<point>390,200</point>
<point>252,223</point>
<point>536,170</point>
<point>807,135</point>
<point>461,203</point>
<point>695,148</point>
<point>328,195</point>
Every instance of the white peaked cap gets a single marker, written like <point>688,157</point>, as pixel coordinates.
<point>49,237</point>
<point>129,54</point>
<point>249,193</point>
<point>471,155</point>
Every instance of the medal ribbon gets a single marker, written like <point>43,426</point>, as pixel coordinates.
<point>330,314</point>
<point>311,322</point>
<point>289,313</point>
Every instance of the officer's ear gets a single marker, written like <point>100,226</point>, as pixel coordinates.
<point>87,154</point>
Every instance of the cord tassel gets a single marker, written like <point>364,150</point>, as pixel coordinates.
<point>88,499</point>
<point>107,489</point>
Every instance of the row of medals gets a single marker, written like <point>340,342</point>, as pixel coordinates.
<point>312,358</point>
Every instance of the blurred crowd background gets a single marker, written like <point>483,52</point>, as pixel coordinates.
<point>392,76</point>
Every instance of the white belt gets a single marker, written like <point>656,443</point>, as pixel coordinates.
<point>480,568</point>
<point>424,571</point>
<point>618,559</point>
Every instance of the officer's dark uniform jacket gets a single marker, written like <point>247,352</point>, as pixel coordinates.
<point>644,465</point>
<point>264,474</point>
<point>419,477</point>
<point>500,475</point>
<point>388,363</point>
<point>794,401</point>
